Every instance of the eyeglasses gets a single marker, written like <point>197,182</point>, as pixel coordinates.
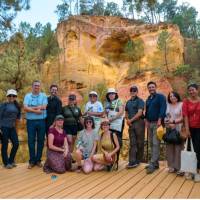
<point>112,93</point>
<point>88,122</point>
<point>11,95</point>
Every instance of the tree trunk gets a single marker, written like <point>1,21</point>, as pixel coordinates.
<point>165,55</point>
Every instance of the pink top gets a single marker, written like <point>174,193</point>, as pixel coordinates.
<point>58,137</point>
<point>192,111</point>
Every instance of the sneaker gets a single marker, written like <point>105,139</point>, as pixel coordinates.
<point>197,178</point>
<point>30,165</point>
<point>132,165</point>
<point>8,166</point>
<point>188,176</point>
<point>171,170</point>
<point>39,164</point>
<point>180,173</point>
<point>14,164</point>
<point>151,169</point>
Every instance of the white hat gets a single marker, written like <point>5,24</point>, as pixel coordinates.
<point>11,92</point>
<point>93,92</point>
<point>111,90</point>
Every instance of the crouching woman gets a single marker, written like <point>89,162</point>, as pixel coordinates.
<point>86,146</point>
<point>109,146</point>
<point>58,155</point>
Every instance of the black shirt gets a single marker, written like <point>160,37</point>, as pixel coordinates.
<point>54,107</point>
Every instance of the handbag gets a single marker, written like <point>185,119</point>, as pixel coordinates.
<point>188,159</point>
<point>172,136</point>
<point>79,124</point>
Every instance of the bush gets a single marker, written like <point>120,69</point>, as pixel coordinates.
<point>182,70</point>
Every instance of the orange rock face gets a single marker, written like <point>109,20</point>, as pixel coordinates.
<point>92,52</point>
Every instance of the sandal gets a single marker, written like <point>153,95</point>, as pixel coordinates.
<point>79,169</point>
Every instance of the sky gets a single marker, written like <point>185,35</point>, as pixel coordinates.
<point>43,11</point>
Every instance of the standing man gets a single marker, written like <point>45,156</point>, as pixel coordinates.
<point>35,104</point>
<point>155,114</point>
<point>54,106</point>
<point>94,108</point>
<point>135,120</point>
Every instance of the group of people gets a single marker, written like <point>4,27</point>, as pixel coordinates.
<point>93,138</point>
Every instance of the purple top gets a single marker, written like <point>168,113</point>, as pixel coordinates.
<point>58,137</point>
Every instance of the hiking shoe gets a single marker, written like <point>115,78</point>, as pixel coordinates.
<point>132,165</point>
<point>39,164</point>
<point>14,164</point>
<point>30,165</point>
<point>8,166</point>
<point>150,169</point>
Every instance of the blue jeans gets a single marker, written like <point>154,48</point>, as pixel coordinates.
<point>36,131</point>
<point>9,134</point>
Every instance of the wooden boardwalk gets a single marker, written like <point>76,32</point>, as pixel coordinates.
<point>21,182</point>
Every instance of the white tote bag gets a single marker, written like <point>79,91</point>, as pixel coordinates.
<point>117,123</point>
<point>188,159</point>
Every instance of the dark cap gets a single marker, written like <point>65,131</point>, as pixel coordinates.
<point>72,97</point>
<point>134,88</point>
<point>59,117</point>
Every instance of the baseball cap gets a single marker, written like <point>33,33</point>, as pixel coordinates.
<point>93,93</point>
<point>59,117</point>
<point>134,88</point>
<point>72,97</point>
<point>11,92</point>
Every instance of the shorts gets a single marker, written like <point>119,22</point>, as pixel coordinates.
<point>71,130</point>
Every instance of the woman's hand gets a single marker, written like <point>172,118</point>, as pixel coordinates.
<point>108,156</point>
<point>65,153</point>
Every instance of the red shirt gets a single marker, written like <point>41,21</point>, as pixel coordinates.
<point>192,111</point>
<point>58,137</point>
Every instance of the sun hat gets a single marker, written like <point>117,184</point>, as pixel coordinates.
<point>11,92</point>
<point>111,90</point>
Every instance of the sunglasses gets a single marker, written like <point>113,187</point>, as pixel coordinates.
<point>92,95</point>
<point>133,90</point>
<point>112,93</point>
<point>88,122</point>
<point>10,95</point>
<point>105,124</point>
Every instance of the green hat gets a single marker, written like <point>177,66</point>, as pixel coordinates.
<point>59,117</point>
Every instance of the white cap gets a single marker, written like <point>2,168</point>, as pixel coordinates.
<point>93,92</point>
<point>11,92</point>
<point>111,90</point>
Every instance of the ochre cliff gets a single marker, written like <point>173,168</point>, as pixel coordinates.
<point>92,52</point>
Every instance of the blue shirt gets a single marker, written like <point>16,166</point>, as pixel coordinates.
<point>155,107</point>
<point>31,100</point>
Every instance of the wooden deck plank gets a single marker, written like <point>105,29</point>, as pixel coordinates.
<point>44,183</point>
<point>144,193</point>
<point>129,184</point>
<point>115,185</point>
<point>141,184</point>
<point>75,187</point>
<point>22,185</point>
<point>108,189</point>
<point>173,188</point>
<point>100,187</point>
<point>195,193</point>
<point>185,190</point>
<point>162,187</point>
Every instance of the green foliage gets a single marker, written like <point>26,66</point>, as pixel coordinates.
<point>17,68</point>
<point>62,10</point>
<point>163,44</point>
<point>134,50</point>
<point>186,19</point>
<point>98,8</point>
<point>182,70</point>
<point>112,9</point>
<point>134,71</point>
